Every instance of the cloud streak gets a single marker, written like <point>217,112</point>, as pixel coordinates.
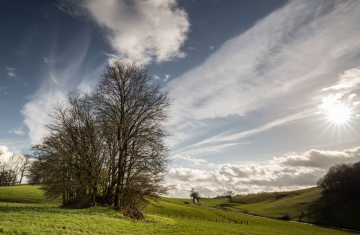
<point>273,64</point>
<point>17,132</point>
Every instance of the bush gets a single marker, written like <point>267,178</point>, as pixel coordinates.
<point>132,213</point>
<point>286,217</point>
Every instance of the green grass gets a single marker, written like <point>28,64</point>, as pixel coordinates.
<point>23,194</point>
<point>167,216</point>
<point>294,202</point>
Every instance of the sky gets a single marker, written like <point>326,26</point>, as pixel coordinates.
<point>265,92</point>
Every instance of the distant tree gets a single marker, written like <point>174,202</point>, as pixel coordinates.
<point>194,194</point>
<point>24,166</point>
<point>229,194</point>
<point>342,178</point>
<point>11,169</point>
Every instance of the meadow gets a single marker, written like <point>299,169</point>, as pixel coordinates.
<point>25,210</point>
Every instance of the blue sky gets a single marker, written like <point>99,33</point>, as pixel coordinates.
<point>265,93</point>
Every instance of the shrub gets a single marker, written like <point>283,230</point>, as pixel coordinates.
<point>132,213</point>
<point>286,217</point>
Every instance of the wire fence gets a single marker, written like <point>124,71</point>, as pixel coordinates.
<point>225,218</point>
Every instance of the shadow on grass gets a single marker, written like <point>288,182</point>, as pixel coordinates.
<point>332,209</point>
<point>59,210</point>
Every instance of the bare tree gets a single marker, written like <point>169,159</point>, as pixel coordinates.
<point>24,167</point>
<point>135,109</point>
<point>229,194</point>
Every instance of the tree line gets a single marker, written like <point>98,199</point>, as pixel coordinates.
<point>106,147</point>
<point>13,170</point>
<point>343,179</point>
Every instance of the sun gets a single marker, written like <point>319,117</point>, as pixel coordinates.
<point>338,114</point>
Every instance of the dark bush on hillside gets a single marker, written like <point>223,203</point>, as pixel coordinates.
<point>132,213</point>
<point>342,178</point>
<point>286,217</point>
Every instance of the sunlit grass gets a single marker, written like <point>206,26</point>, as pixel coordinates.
<point>168,216</point>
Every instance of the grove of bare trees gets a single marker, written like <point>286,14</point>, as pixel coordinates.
<point>12,170</point>
<point>108,146</point>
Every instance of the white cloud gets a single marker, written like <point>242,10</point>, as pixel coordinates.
<point>156,77</point>
<point>351,97</point>
<point>17,132</point>
<point>11,71</point>
<point>37,111</point>
<point>211,47</point>
<point>320,159</point>
<point>167,76</point>
<point>349,79</point>
<point>138,30</point>
<point>6,154</point>
<point>290,172</point>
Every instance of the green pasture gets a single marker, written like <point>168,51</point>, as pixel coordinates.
<point>24,210</point>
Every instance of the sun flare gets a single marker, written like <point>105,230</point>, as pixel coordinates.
<point>338,114</point>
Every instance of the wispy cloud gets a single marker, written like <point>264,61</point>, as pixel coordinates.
<point>17,132</point>
<point>55,86</point>
<point>11,72</point>
<point>47,60</point>
<point>167,76</point>
<point>224,137</point>
<point>272,65</point>
<point>349,79</point>
<point>195,161</point>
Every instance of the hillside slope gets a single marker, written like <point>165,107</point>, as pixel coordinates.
<point>308,205</point>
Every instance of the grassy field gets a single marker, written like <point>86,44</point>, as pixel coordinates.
<point>24,210</point>
<point>307,201</point>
